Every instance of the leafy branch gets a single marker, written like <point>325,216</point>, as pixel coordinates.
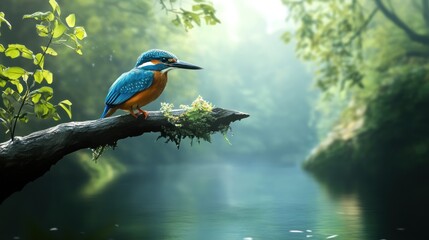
<point>28,93</point>
<point>334,35</point>
<point>201,10</point>
<point>327,33</point>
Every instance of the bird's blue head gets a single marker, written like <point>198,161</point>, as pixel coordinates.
<point>160,60</point>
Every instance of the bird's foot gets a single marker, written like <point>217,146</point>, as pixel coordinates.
<point>133,114</point>
<point>143,112</point>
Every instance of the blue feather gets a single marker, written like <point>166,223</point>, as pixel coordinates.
<point>106,109</point>
<point>127,85</point>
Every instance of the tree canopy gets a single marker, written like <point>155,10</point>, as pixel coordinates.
<point>347,38</point>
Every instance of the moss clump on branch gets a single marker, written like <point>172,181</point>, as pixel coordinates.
<point>98,151</point>
<point>195,123</point>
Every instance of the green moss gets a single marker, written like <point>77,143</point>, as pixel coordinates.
<point>98,151</point>
<point>197,122</point>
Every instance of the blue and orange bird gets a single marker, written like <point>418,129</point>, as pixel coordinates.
<point>142,84</point>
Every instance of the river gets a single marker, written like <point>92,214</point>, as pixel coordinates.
<point>226,199</point>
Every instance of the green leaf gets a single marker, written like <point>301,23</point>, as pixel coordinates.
<point>15,50</point>
<point>191,17</point>
<point>46,89</point>
<point>71,20</point>
<point>38,76</point>
<point>196,7</point>
<point>55,7</point>
<point>48,76</point>
<point>80,33</point>
<point>18,85</point>
<point>59,29</point>
<point>14,72</point>
<point>40,110</point>
<point>39,60</point>
<point>177,21</point>
<point>207,8</point>
<point>42,30</point>
<point>67,102</point>
<point>40,16</point>
<point>66,106</point>
<point>27,53</point>
<point>20,47</point>
<point>12,53</point>
<point>45,109</point>
<point>25,76</point>
<point>196,18</point>
<point>56,116</point>
<point>8,96</point>
<point>46,93</point>
<point>36,98</point>
<point>3,19</point>
<point>49,51</point>
<point>79,51</point>
<point>2,49</point>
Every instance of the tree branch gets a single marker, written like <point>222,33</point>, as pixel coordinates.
<point>364,25</point>
<point>420,38</point>
<point>29,157</point>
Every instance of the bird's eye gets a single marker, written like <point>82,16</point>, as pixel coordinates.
<point>164,60</point>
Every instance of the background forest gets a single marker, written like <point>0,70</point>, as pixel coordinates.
<point>338,88</point>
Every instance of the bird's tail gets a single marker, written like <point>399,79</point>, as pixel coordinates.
<point>106,110</point>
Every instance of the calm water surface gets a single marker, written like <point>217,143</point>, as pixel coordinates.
<point>217,200</point>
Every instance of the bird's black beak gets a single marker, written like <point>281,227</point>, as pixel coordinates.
<point>184,65</point>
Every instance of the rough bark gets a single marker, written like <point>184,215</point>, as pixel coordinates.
<point>29,157</point>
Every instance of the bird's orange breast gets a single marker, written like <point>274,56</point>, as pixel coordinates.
<point>148,95</point>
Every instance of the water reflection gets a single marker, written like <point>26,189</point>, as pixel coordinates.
<point>391,207</point>
<point>100,174</point>
<point>225,199</point>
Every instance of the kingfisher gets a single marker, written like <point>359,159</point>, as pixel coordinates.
<point>142,84</point>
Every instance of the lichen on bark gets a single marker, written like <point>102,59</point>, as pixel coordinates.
<point>195,123</point>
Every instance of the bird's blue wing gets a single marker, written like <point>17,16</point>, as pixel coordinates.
<point>127,85</point>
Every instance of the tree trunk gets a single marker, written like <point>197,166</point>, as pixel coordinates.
<point>27,158</point>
